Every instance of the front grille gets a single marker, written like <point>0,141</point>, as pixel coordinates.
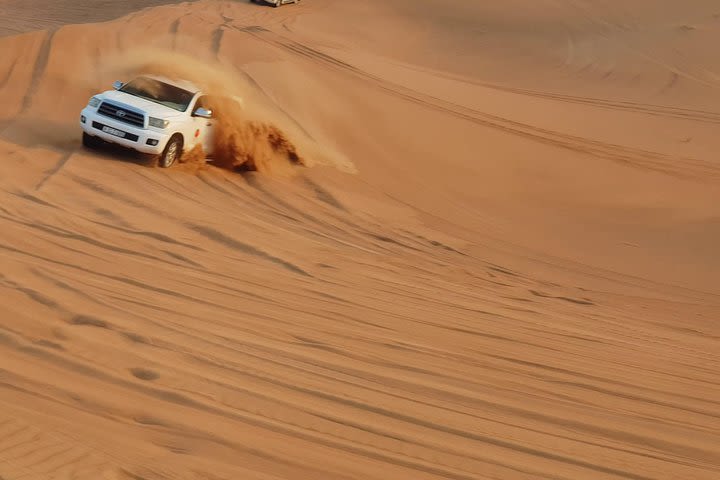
<point>121,114</point>
<point>128,136</point>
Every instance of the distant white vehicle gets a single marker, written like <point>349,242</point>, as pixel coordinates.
<point>152,115</point>
<point>275,3</point>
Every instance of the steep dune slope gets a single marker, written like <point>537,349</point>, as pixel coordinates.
<point>500,265</point>
<point>31,15</point>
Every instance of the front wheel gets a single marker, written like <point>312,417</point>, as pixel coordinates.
<point>172,152</point>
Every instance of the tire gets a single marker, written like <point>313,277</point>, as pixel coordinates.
<point>172,152</point>
<point>90,141</point>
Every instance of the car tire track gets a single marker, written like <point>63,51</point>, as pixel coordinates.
<point>41,62</point>
<point>681,167</point>
<point>55,170</point>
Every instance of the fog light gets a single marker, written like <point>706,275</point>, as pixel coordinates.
<point>82,118</point>
<point>152,142</point>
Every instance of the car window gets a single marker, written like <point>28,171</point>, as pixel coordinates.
<point>159,92</point>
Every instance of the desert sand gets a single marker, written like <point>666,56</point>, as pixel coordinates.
<point>501,261</point>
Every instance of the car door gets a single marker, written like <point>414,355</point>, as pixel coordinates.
<point>204,127</point>
<point>208,137</point>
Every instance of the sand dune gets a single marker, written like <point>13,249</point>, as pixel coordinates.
<point>501,262</point>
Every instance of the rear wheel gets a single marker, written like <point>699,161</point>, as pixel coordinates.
<point>172,152</point>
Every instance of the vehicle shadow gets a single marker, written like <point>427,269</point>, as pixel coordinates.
<point>63,137</point>
<point>122,154</point>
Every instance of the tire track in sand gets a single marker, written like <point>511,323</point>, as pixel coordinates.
<point>681,167</point>
<point>41,62</point>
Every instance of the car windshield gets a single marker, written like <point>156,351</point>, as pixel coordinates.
<point>159,92</point>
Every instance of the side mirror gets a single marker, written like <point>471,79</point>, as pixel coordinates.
<point>203,112</point>
<point>117,84</point>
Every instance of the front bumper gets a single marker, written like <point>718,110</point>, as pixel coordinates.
<point>135,138</point>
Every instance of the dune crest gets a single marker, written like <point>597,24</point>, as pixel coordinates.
<point>502,263</point>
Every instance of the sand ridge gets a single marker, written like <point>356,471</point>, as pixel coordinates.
<point>500,263</point>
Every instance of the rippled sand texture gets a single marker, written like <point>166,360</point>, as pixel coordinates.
<point>505,267</point>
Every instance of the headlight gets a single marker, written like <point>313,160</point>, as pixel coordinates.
<point>158,122</point>
<point>94,102</point>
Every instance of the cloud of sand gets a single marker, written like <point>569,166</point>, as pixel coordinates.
<point>250,135</point>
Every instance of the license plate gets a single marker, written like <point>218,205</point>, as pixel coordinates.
<point>113,131</point>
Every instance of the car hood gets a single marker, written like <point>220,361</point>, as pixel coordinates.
<point>131,101</point>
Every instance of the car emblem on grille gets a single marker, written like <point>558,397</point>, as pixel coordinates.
<point>120,113</point>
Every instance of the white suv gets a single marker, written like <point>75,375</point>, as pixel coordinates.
<point>275,3</point>
<point>152,115</point>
